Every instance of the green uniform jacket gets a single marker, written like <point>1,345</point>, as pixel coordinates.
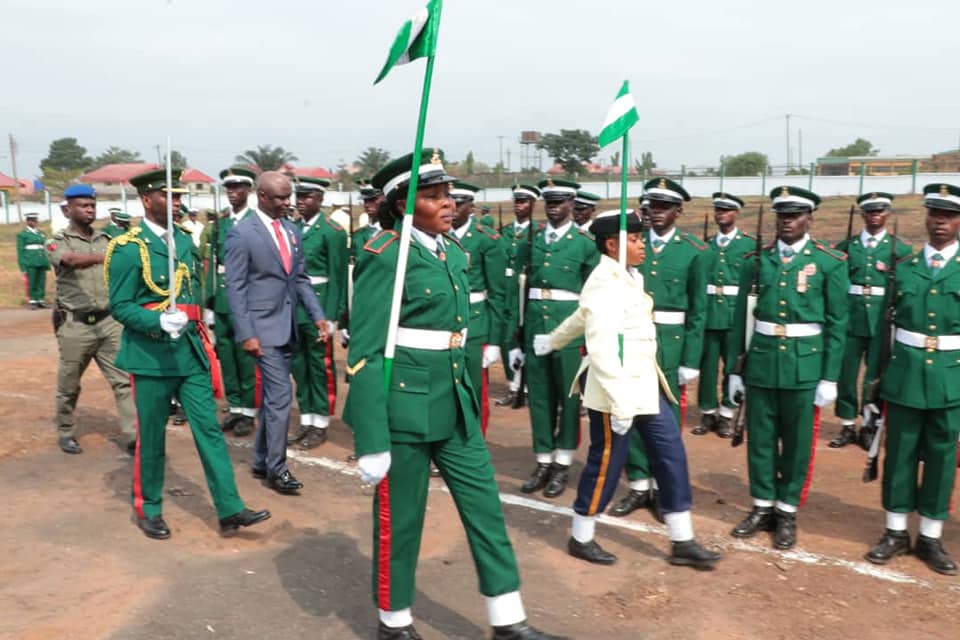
<point>215,278</point>
<point>428,389</point>
<point>112,230</point>
<point>488,262</point>
<point>869,268</point>
<point>325,255</point>
<point>146,349</point>
<point>359,238</point>
<point>723,266</point>
<point>784,298</point>
<point>674,278</point>
<point>30,249</point>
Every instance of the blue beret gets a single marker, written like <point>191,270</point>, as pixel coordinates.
<point>80,191</point>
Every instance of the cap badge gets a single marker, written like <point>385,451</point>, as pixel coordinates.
<point>549,181</point>
<point>944,191</point>
<point>435,158</point>
<point>784,192</point>
<point>873,196</point>
<point>662,184</point>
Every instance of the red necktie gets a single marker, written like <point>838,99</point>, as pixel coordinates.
<point>284,252</point>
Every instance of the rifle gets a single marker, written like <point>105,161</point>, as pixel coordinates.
<point>500,217</point>
<point>524,287</point>
<point>706,227</point>
<point>351,263</point>
<point>850,225</point>
<point>214,245</point>
<point>740,422</point>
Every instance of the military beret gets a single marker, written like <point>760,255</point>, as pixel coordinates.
<point>79,191</point>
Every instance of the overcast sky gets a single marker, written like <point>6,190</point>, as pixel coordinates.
<point>710,77</point>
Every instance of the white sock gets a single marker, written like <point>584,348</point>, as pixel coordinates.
<point>643,484</point>
<point>583,528</point>
<point>306,419</point>
<point>848,423</point>
<point>680,525</point>
<point>931,528</point>
<point>544,458</point>
<point>653,483</point>
<point>896,521</point>
<point>757,502</point>
<point>237,411</point>
<point>396,619</point>
<point>786,508</point>
<point>247,411</point>
<point>505,609</point>
<point>726,412</point>
<point>708,412</point>
<point>563,456</point>
<point>319,421</point>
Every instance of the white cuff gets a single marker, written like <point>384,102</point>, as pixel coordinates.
<point>643,484</point>
<point>544,458</point>
<point>563,456</point>
<point>896,521</point>
<point>306,419</point>
<point>396,619</point>
<point>930,527</point>
<point>319,421</point>
<point>757,502</point>
<point>680,525</point>
<point>583,528</point>
<point>505,609</point>
<point>786,508</point>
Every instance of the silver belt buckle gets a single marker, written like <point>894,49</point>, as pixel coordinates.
<point>780,330</point>
<point>546,294</point>
<point>456,340</point>
<point>867,290</point>
<point>931,343</point>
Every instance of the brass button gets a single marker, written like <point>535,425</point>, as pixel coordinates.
<point>428,292</point>
<point>933,292</point>
<point>654,262</point>
<point>932,315</point>
<point>403,384</point>
<point>867,305</point>
<point>782,314</point>
<point>783,303</point>
<point>455,381</point>
<point>547,255</point>
<point>546,264</point>
<point>783,347</point>
<point>783,284</point>
<point>459,319</point>
<point>653,273</point>
<point>456,287</point>
<point>546,317</point>
<point>932,327</point>
<point>455,365</point>
<point>929,361</point>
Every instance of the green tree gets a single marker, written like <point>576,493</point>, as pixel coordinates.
<point>65,155</point>
<point>266,157</point>
<point>571,148</point>
<point>373,159</point>
<point>859,147</point>
<point>468,163</point>
<point>615,159</point>
<point>177,159</point>
<point>56,180</point>
<point>749,163</point>
<point>117,155</point>
<point>646,164</point>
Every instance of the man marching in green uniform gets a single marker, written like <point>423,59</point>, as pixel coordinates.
<point>325,260</point>
<point>870,256</point>
<point>584,208</point>
<point>558,262</point>
<point>723,262</point>
<point>488,262</point>
<point>167,354</point>
<point>921,388</point>
<point>792,361</point>
<point>674,277</point>
<point>32,261</point>
<point>119,223</point>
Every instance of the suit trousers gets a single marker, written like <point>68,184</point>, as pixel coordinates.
<point>238,367</point>
<point>554,413</point>
<point>714,346</point>
<point>315,373</point>
<point>854,352</point>
<point>638,462</point>
<point>270,446</point>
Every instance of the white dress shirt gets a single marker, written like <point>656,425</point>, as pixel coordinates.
<point>268,221</point>
<point>948,253</point>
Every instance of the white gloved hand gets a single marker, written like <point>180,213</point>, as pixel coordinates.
<point>826,393</point>
<point>541,344</point>
<point>173,323</point>
<point>374,467</point>
<point>870,409</point>
<point>209,317</point>
<point>331,327</point>
<point>516,358</point>
<point>685,375</point>
<point>620,425</point>
<point>735,386</point>
<point>491,354</point>
<point>344,337</point>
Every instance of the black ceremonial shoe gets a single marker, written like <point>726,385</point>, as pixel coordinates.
<point>847,435</point>
<point>538,479</point>
<point>892,544</point>
<point>154,528</point>
<point>259,474</point>
<point>707,424</point>
<point>315,438</point>
<point>507,400</point>
<point>244,518</point>
<point>760,519</point>
<point>866,437</point>
<point>690,553</point>
<point>932,552</point>
<point>284,483</point>
<point>590,551</point>
<point>786,535</point>
<point>631,502</point>
<point>302,431</point>
<point>522,631</point>
<point>724,428</point>
<point>397,633</point>
<point>559,474</point>
<point>69,444</point>
<point>243,426</point>
<point>229,422</point>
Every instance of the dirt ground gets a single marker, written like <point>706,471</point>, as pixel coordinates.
<point>73,565</point>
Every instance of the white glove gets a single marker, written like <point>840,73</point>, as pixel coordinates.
<point>685,375</point>
<point>173,323</point>
<point>541,344</point>
<point>735,386</point>
<point>344,337</point>
<point>374,467</point>
<point>331,327</point>
<point>870,410</point>
<point>620,425</point>
<point>491,354</point>
<point>516,358</point>
<point>209,317</point>
<point>826,393</point>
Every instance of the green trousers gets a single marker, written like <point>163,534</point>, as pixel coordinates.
<point>913,435</point>
<point>856,349</point>
<point>315,372</point>
<point>194,392</point>
<point>36,283</point>
<point>400,503</point>
<point>554,413</point>
<point>238,368</point>
<point>638,462</point>
<point>714,345</point>
<point>780,425</point>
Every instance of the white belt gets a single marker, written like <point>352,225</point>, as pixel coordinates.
<point>429,339</point>
<point>33,246</point>
<point>669,317</point>
<point>477,296</point>
<point>319,279</point>
<point>800,330</point>
<point>553,294</point>
<point>725,290</point>
<point>508,272</point>
<point>865,290</point>
<point>921,341</point>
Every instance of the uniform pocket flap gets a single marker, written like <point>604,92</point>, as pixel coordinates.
<point>408,379</point>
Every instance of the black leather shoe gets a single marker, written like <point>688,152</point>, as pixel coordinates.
<point>315,438</point>
<point>245,518</point>
<point>69,444</point>
<point>786,535</point>
<point>759,519</point>
<point>131,447</point>
<point>229,422</point>
<point>522,631</point>
<point>707,424</point>
<point>154,528</point>
<point>689,553</point>
<point>243,426</point>
<point>865,439</point>
<point>630,503</point>
<point>301,433</point>
<point>724,428</point>
<point>397,633</point>
<point>179,417</point>
<point>847,435</point>
<point>506,400</point>
<point>590,551</point>
<point>538,479</point>
<point>284,483</point>
<point>259,474</point>
<point>559,473</point>
<point>892,544</point>
<point>932,552</point>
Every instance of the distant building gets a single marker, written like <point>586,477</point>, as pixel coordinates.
<point>111,179</point>
<point>945,162</point>
<point>871,165</point>
<point>8,185</point>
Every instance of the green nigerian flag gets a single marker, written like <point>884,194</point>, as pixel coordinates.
<point>417,38</point>
<point>621,116</point>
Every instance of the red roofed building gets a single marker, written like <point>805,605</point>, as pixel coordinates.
<point>8,185</point>
<point>311,172</point>
<point>111,178</point>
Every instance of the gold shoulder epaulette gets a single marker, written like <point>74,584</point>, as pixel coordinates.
<point>381,241</point>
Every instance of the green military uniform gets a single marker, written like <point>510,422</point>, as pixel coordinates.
<point>32,262</point>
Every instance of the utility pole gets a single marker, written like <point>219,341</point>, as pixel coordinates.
<point>16,178</point>
<point>508,160</point>
<point>500,138</point>
<point>159,157</point>
<point>788,143</point>
<point>800,147</point>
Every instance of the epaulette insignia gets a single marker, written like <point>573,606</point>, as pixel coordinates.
<point>836,255</point>
<point>913,257</point>
<point>334,224</point>
<point>586,234</point>
<point>451,237</point>
<point>750,254</point>
<point>487,231</point>
<point>381,241</point>
<point>695,241</point>
<point>748,236</point>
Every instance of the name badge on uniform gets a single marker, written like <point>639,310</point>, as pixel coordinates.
<point>810,269</point>
<point>802,281</point>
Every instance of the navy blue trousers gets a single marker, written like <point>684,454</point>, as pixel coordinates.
<point>607,456</point>
<point>270,445</point>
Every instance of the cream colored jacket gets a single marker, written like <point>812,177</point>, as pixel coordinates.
<point>614,302</point>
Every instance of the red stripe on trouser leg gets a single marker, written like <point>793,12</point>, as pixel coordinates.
<point>257,387</point>
<point>813,455</point>
<point>137,480</point>
<point>383,544</point>
<point>331,379</point>
<point>683,405</point>
<point>484,399</point>
<point>26,287</point>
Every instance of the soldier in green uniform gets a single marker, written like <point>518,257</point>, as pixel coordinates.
<point>325,259</point>
<point>792,362</point>
<point>584,208</point>
<point>166,353</point>
<point>723,264</point>
<point>371,199</point>
<point>85,331</point>
<point>430,411</point>
<point>32,261</point>
<point>486,217</point>
<point>921,388</point>
<point>870,256</point>
<point>119,223</point>
<point>674,277</point>
<point>558,262</point>
<point>488,261</point>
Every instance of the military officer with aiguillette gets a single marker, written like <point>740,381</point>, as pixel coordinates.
<point>791,364</point>
<point>32,261</point>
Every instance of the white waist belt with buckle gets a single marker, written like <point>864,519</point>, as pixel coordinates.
<point>553,294</point>
<point>477,296</point>
<point>726,290</point>
<point>800,330</point>
<point>33,246</point>
<point>865,290</point>
<point>669,317</point>
<point>429,339</point>
<point>319,279</point>
<point>922,341</point>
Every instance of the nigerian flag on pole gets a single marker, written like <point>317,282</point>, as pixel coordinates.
<point>417,38</point>
<point>621,116</point>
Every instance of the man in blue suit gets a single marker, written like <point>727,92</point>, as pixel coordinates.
<point>265,283</point>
